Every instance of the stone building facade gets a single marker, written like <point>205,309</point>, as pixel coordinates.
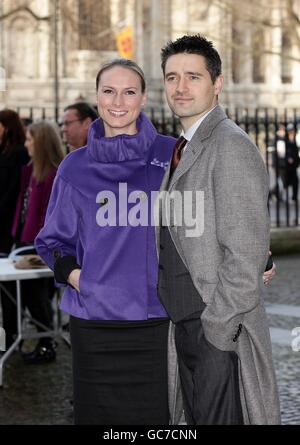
<point>259,43</point>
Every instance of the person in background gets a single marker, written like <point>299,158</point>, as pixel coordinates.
<point>45,151</point>
<point>76,122</point>
<point>279,161</point>
<point>13,156</point>
<point>292,161</point>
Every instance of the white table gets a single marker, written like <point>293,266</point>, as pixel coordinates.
<point>9,273</point>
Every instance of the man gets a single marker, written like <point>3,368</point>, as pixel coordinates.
<point>292,161</point>
<point>76,122</point>
<point>209,278</point>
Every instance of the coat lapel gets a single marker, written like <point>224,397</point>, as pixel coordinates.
<point>195,147</point>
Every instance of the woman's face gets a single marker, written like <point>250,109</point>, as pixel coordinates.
<point>2,131</point>
<point>29,143</point>
<point>119,100</point>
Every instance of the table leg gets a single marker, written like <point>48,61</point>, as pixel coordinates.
<point>6,355</point>
<point>13,347</point>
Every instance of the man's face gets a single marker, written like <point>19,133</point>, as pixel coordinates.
<point>189,89</point>
<point>74,130</point>
<point>291,135</point>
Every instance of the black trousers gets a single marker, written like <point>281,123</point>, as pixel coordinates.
<point>36,295</point>
<point>120,372</point>
<point>293,181</point>
<point>209,378</point>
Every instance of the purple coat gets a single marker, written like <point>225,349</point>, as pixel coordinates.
<point>118,260</point>
<point>37,205</point>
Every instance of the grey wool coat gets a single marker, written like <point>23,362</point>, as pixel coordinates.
<point>226,257</point>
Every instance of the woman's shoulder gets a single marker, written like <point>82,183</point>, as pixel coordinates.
<point>27,169</point>
<point>166,139</point>
<point>73,163</point>
<point>164,145</point>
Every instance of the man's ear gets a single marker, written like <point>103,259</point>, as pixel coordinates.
<point>87,122</point>
<point>219,84</point>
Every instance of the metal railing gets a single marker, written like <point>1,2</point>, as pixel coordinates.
<point>262,125</point>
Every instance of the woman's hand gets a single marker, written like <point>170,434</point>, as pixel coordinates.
<point>74,278</point>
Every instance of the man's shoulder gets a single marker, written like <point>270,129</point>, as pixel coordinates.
<point>231,135</point>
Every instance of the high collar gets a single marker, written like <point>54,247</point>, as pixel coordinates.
<point>123,147</point>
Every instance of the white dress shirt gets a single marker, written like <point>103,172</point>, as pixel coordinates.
<point>189,133</point>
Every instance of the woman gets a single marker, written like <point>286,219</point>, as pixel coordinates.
<point>99,240</point>
<point>12,156</point>
<point>45,151</point>
<point>118,326</point>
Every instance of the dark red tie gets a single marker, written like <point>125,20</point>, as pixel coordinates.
<point>180,143</point>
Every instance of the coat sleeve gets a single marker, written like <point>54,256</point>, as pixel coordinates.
<point>58,237</point>
<point>242,229</point>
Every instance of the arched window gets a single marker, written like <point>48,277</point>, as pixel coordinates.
<point>22,48</point>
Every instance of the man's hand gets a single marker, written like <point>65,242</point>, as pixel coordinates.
<point>270,274</point>
<point>74,278</point>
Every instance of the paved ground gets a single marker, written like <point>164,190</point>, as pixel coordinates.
<point>41,394</point>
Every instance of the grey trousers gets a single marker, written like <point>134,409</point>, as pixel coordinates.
<point>209,377</point>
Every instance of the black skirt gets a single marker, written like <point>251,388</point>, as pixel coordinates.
<point>120,372</point>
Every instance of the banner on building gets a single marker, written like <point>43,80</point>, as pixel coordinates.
<point>125,43</point>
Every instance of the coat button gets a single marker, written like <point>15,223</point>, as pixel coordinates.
<point>161,267</point>
<point>161,247</point>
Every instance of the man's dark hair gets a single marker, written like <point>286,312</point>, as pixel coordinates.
<point>195,44</point>
<point>84,110</point>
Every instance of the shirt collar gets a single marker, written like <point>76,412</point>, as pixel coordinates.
<point>189,133</point>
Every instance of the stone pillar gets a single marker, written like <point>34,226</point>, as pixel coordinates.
<point>138,31</point>
<point>244,51</point>
<point>44,56</point>
<point>160,33</point>
<point>274,40</point>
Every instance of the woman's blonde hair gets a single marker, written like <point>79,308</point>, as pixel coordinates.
<point>48,151</point>
<point>124,63</point>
